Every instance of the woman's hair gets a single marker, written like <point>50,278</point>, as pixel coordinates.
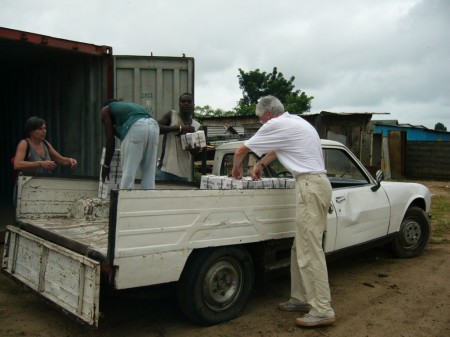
<point>33,123</point>
<point>269,104</point>
<point>109,101</point>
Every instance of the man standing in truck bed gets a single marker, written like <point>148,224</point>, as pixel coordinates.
<point>139,136</point>
<point>297,146</point>
<point>175,163</point>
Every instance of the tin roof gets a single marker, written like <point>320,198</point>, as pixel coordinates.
<point>397,124</point>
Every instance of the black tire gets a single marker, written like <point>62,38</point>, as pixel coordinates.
<point>413,235</point>
<point>215,284</point>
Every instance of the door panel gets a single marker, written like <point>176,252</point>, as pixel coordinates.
<point>362,214</point>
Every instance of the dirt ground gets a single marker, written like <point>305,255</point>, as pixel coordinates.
<point>373,294</point>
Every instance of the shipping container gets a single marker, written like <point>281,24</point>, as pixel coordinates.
<point>66,82</point>
<point>154,82</point>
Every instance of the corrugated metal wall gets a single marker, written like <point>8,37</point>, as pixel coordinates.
<point>428,160</point>
<point>67,94</point>
<point>64,87</point>
<point>66,83</point>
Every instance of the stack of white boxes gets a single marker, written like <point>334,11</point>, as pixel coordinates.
<point>115,174</point>
<point>193,140</point>
<point>212,182</point>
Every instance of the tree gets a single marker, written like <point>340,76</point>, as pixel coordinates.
<point>207,111</point>
<point>255,84</point>
<point>440,127</point>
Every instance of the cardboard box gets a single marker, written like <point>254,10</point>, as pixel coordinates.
<point>290,183</point>
<point>212,182</point>
<point>104,188</point>
<point>230,183</point>
<point>186,141</point>
<point>192,140</point>
<point>201,139</point>
<point>255,184</point>
<point>115,160</point>
<point>115,175</point>
<point>269,183</point>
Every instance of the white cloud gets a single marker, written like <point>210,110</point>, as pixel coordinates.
<point>356,55</point>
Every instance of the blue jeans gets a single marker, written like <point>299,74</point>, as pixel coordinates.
<point>139,149</point>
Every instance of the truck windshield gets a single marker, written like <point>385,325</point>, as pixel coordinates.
<point>341,169</point>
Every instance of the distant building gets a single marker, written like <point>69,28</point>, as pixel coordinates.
<point>345,127</point>
<point>413,132</point>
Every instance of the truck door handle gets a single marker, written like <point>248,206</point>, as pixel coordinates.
<point>340,199</point>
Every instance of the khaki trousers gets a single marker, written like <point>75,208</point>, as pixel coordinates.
<point>309,275</point>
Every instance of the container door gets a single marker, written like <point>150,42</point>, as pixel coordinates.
<point>155,82</point>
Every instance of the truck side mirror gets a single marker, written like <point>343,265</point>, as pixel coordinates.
<point>379,177</point>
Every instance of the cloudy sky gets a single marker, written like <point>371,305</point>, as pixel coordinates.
<point>383,56</point>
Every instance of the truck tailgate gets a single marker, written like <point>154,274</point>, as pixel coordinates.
<point>65,278</point>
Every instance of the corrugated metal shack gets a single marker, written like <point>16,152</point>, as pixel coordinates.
<point>345,127</point>
<point>414,151</point>
<point>225,129</point>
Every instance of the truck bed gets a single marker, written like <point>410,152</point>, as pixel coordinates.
<point>68,213</point>
<point>86,237</point>
<point>64,234</point>
<point>140,231</point>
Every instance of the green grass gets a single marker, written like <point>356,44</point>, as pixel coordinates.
<point>440,221</point>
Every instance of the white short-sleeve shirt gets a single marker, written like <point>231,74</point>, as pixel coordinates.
<point>294,140</point>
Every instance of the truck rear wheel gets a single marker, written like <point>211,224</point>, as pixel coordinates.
<point>215,284</point>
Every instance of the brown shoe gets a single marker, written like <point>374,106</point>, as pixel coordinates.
<point>294,306</point>
<point>311,321</point>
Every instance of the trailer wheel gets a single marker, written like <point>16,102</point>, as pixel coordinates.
<point>215,284</point>
<point>413,235</point>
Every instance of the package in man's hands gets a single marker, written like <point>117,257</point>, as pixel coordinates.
<point>193,140</point>
<point>201,139</point>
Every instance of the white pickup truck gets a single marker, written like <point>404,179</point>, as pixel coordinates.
<point>66,243</point>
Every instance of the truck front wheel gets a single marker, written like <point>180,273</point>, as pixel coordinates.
<point>413,235</point>
<point>215,284</point>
